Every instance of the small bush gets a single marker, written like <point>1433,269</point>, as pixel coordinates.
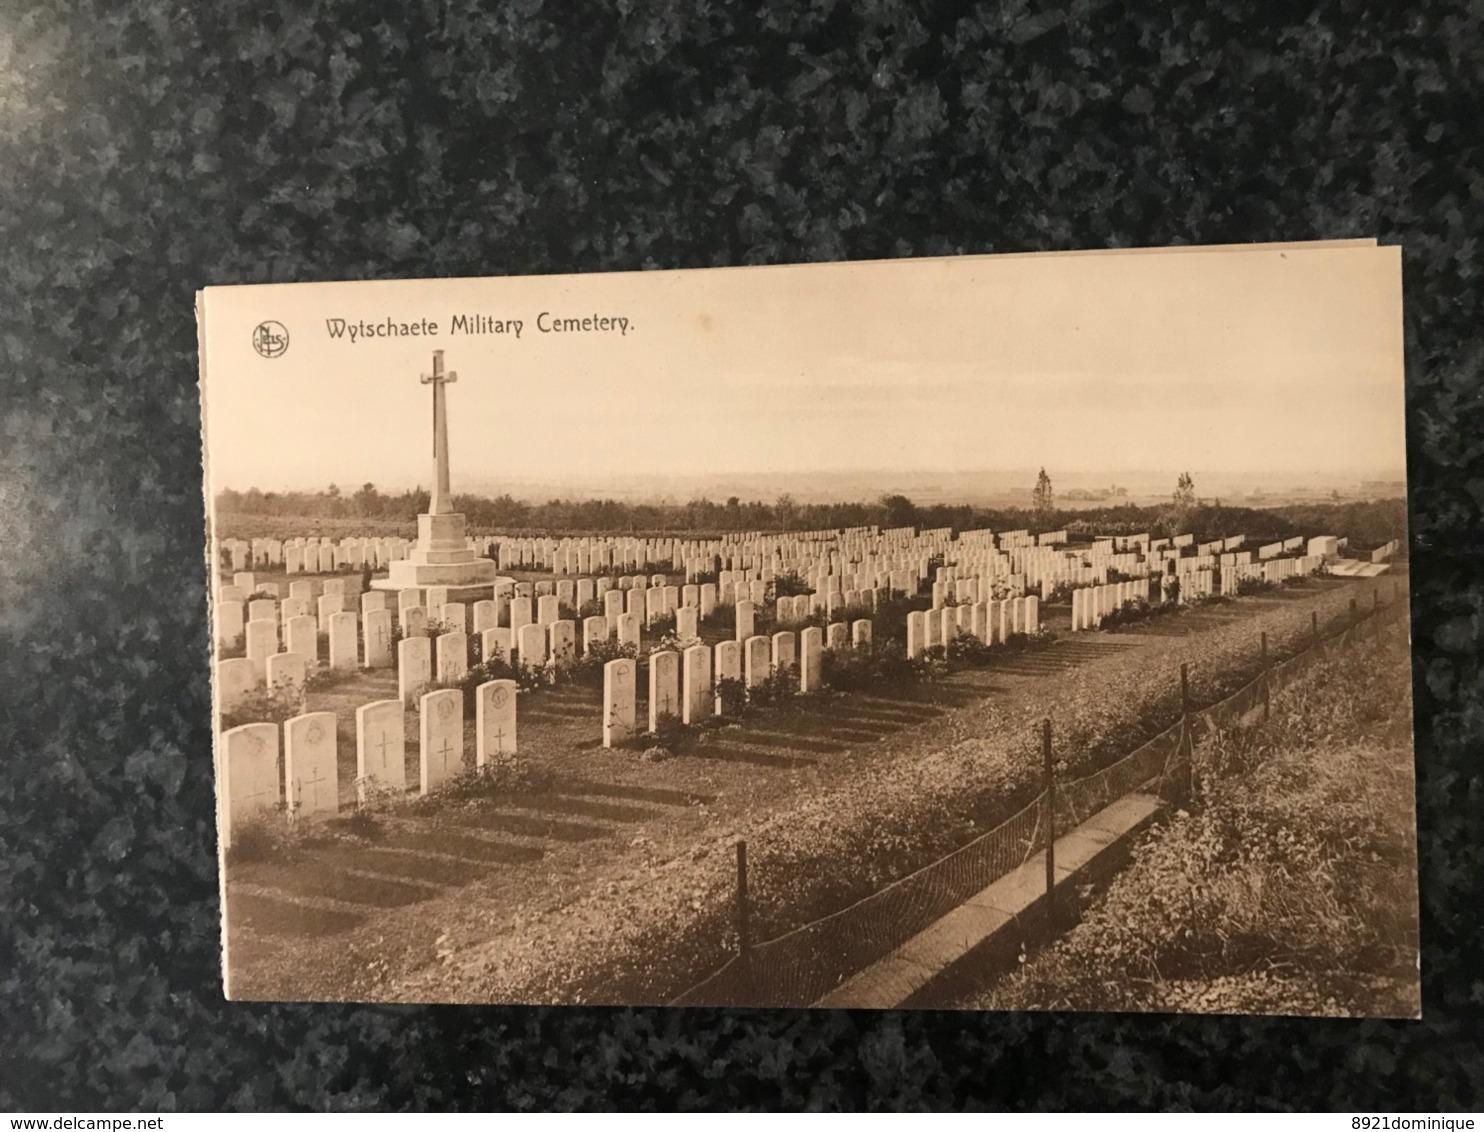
<point>587,669</point>
<point>265,705</point>
<point>862,671</point>
<point>1247,587</point>
<point>781,686</point>
<point>732,694</point>
<point>791,584</point>
<point>260,838</point>
<point>1137,610</point>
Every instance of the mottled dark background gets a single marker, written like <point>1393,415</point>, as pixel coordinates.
<point>149,148</point>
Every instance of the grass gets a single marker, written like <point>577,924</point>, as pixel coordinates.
<point>1287,885</point>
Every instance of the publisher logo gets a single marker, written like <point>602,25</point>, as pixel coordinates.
<point>270,338</point>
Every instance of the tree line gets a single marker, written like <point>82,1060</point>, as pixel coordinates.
<point>1367,524</point>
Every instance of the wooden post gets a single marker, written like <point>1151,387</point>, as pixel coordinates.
<point>744,930</point>
<point>1267,707</point>
<point>1050,786</point>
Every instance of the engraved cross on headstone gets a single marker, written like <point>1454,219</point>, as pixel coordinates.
<point>386,741</point>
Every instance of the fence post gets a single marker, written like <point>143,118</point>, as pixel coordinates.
<point>744,931</point>
<point>1314,625</point>
<point>1354,615</point>
<point>1050,786</point>
<point>1267,707</point>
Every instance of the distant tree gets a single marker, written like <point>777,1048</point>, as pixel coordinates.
<point>367,500</point>
<point>785,511</point>
<point>1043,502</point>
<point>900,511</point>
<point>1185,492</point>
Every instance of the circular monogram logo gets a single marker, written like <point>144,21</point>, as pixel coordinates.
<point>270,338</point>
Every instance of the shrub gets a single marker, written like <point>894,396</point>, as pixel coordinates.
<point>1137,610</point>
<point>863,671</point>
<point>319,678</point>
<point>588,668</point>
<point>1246,587</point>
<point>265,705</point>
<point>259,838</point>
<point>669,733</point>
<point>791,584</point>
<point>732,694</point>
<point>780,686</point>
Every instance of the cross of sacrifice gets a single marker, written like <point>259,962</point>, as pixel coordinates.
<point>441,501</point>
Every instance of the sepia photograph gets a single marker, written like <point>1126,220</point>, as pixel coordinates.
<point>1022,632</point>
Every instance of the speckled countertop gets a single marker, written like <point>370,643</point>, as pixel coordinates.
<point>150,148</point>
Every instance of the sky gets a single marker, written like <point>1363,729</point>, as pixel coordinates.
<point>1275,360</point>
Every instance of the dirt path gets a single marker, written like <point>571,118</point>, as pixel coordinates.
<point>353,917</point>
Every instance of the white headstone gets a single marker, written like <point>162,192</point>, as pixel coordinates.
<point>619,694</point>
<point>310,765</point>
<point>728,666</point>
<point>249,784</point>
<point>664,686</point>
<point>230,624</point>
<point>414,668</point>
<point>486,615</point>
<point>531,645</point>
<point>746,612</point>
<point>563,642</point>
<point>454,616</point>
<point>687,626</point>
<point>376,626</point>
<point>811,648</point>
<point>262,642</point>
<point>629,630</point>
<point>757,660</point>
<point>381,747</point>
<point>916,633</point>
<point>494,721</point>
<point>287,671</point>
<point>302,635</point>
<point>344,648</point>
<point>494,644</point>
<point>453,657</point>
<point>594,631</point>
<point>237,679</point>
<point>440,737</point>
<point>697,699</point>
<point>785,652</point>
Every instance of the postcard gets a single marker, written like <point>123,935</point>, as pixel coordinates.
<point>1012,632</point>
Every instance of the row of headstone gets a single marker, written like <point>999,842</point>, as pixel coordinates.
<point>990,622</point>
<point>687,685</point>
<point>250,785</point>
<point>1093,603</point>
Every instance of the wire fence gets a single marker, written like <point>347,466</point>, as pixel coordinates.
<point>801,966</point>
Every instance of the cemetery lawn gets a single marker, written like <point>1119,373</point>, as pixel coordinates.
<point>1287,884</point>
<point>595,875</point>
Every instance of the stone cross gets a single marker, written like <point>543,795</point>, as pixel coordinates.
<point>442,501</point>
